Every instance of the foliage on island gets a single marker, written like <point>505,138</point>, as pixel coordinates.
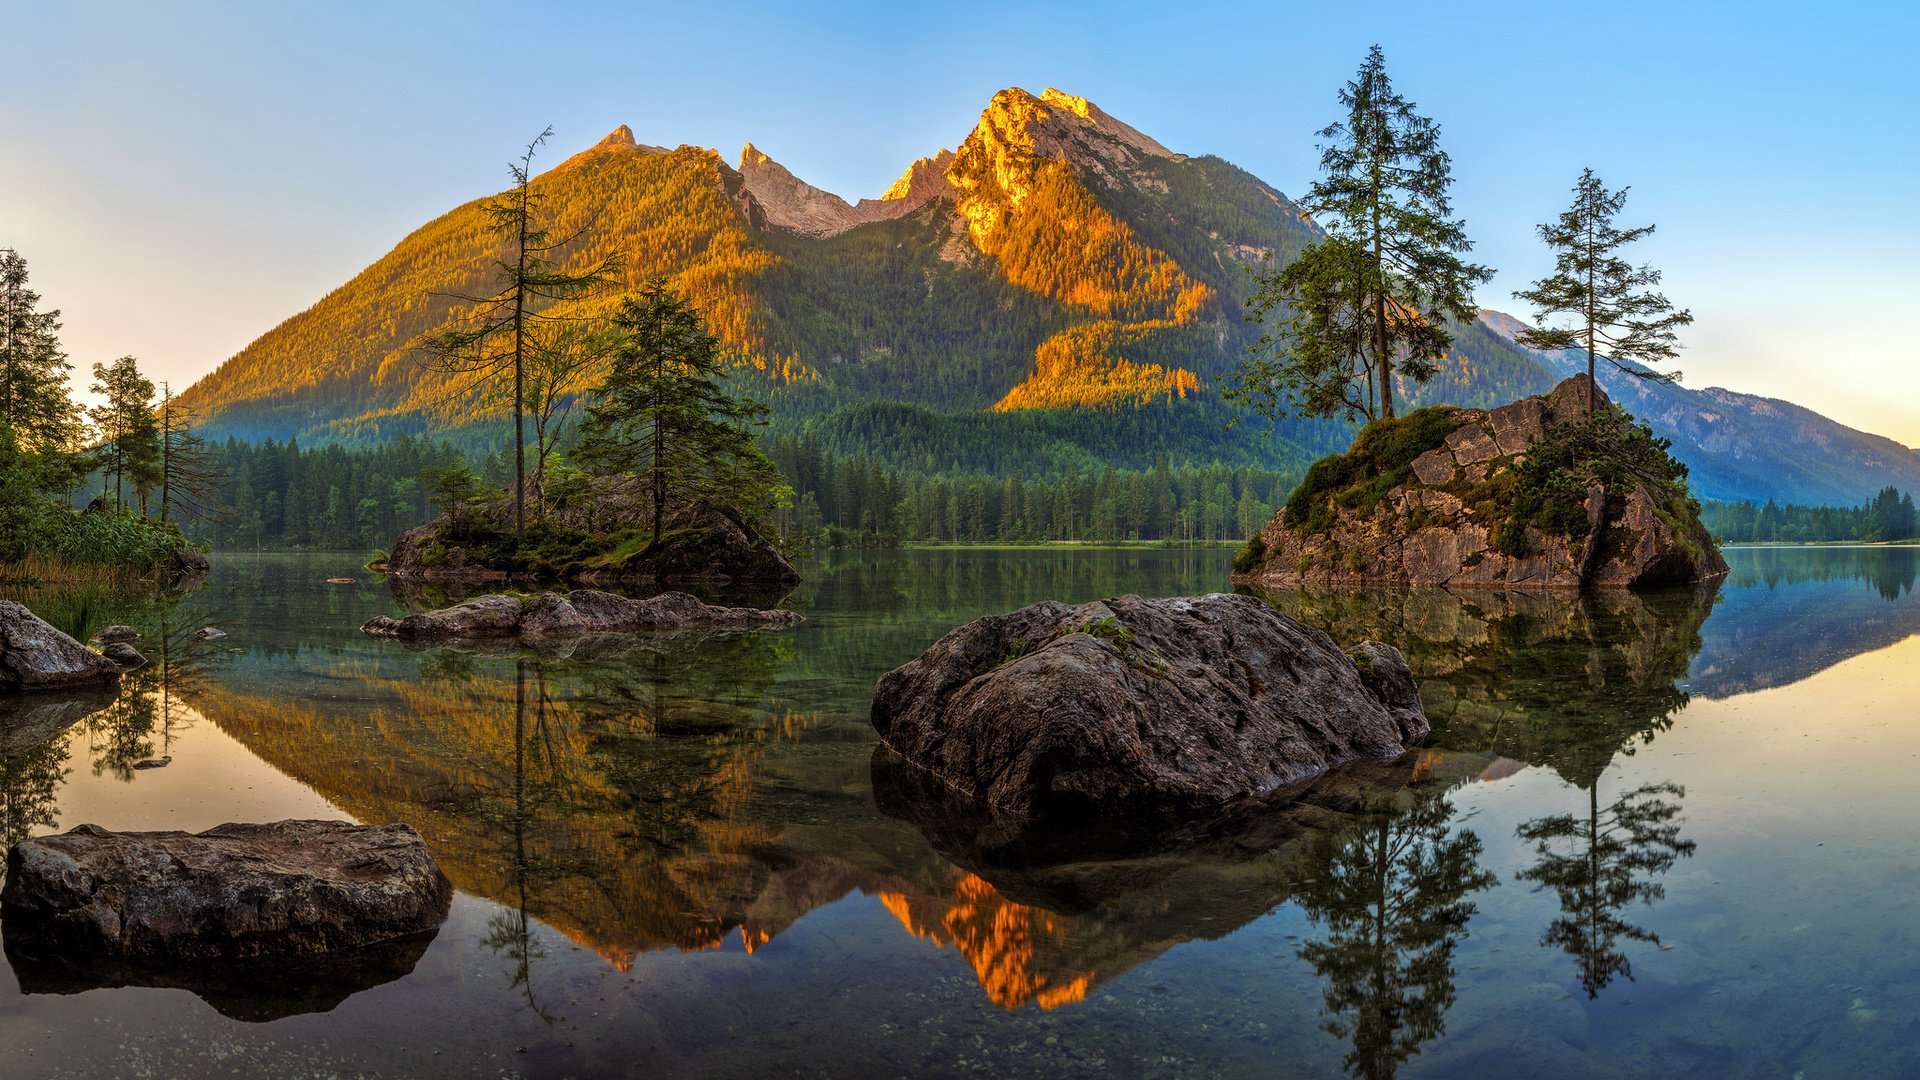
<point>150,466</point>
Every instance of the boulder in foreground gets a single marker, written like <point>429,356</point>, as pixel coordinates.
<point>582,611</point>
<point>35,656</point>
<point>288,888</point>
<point>1142,705</point>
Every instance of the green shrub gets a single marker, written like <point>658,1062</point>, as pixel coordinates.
<point>1251,555</point>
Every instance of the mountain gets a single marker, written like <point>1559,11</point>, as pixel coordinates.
<point>1060,291</point>
<point>1743,446</point>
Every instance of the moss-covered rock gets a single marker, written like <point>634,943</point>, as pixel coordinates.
<point>1536,493</point>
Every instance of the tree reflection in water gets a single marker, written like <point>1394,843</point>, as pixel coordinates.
<point>1392,899</point>
<point>510,930</point>
<point>1600,863</point>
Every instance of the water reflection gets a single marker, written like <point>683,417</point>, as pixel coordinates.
<point>255,991</point>
<point>1391,899</point>
<point>1600,862</point>
<point>33,757</point>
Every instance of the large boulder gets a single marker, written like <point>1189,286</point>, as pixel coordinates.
<point>1444,496</point>
<point>1132,705</point>
<point>35,656</point>
<point>288,888</point>
<point>582,611</point>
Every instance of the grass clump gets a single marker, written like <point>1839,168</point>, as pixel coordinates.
<point>1380,460</point>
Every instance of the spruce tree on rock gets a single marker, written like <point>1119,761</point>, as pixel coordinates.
<point>1611,301</point>
<point>663,414</point>
<point>1372,299</point>
<point>493,342</point>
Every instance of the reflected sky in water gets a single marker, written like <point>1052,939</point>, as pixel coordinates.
<point>1661,833</point>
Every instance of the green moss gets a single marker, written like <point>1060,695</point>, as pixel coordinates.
<point>1380,460</point>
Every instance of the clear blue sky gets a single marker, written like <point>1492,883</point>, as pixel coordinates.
<point>181,177</point>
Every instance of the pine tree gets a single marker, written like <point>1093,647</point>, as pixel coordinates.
<point>662,412</point>
<point>34,406</point>
<point>129,435</point>
<point>1609,298</point>
<point>1370,300</point>
<point>494,343</point>
<point>190,476</point>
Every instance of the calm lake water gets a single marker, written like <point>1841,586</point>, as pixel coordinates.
<point>1661,835</point>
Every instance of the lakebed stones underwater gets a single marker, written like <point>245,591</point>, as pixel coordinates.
<point>1535,494</point>
<point>582,611</point>
<point>1058,712</point>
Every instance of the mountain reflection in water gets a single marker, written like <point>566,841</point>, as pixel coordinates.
<point>650,798</point>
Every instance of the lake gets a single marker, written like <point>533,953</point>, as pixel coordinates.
<point>1668,834</point>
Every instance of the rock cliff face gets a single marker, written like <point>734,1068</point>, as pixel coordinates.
<point>1529,494</point>
<point>1131,705</point>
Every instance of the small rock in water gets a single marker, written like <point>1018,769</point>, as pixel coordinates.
<point>116,632</point>
<point>208,633</point>
<point>287,888</point>
<point>35,656</point>
<point>124,655</point>
<point>340,581</point>
<point>154,762</point>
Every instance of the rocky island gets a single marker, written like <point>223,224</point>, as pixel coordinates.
<point>1532,494</point>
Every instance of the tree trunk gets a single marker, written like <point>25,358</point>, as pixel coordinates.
<point>519,338</point>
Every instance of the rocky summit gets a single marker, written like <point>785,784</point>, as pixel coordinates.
<point>1538,493</point>
<point>1184,704</point>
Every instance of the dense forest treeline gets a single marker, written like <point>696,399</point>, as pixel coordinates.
<point>1889,515</point>
<point>283,495</point>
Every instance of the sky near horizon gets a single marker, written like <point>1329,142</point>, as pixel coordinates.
<point>182,177</point>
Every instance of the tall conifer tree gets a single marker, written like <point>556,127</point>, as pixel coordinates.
<point>662,414</point>
<point>494,342</point>
<point>1370,300</point>
<point>1611,301</point>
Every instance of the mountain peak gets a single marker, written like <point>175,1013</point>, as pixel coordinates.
<point>617,140</point>
<point>923,181</point>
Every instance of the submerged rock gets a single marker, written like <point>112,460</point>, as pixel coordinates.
<point>116,632</point>
<point>1600,506</point>
<point>288,888</point>
<point>35,656</point>
<point>1133,705</point>
<point>209,633</point>
<point>582,611</point>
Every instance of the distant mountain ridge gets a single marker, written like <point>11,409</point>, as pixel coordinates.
<point>1060,291</point>
<point>1744,446</point>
